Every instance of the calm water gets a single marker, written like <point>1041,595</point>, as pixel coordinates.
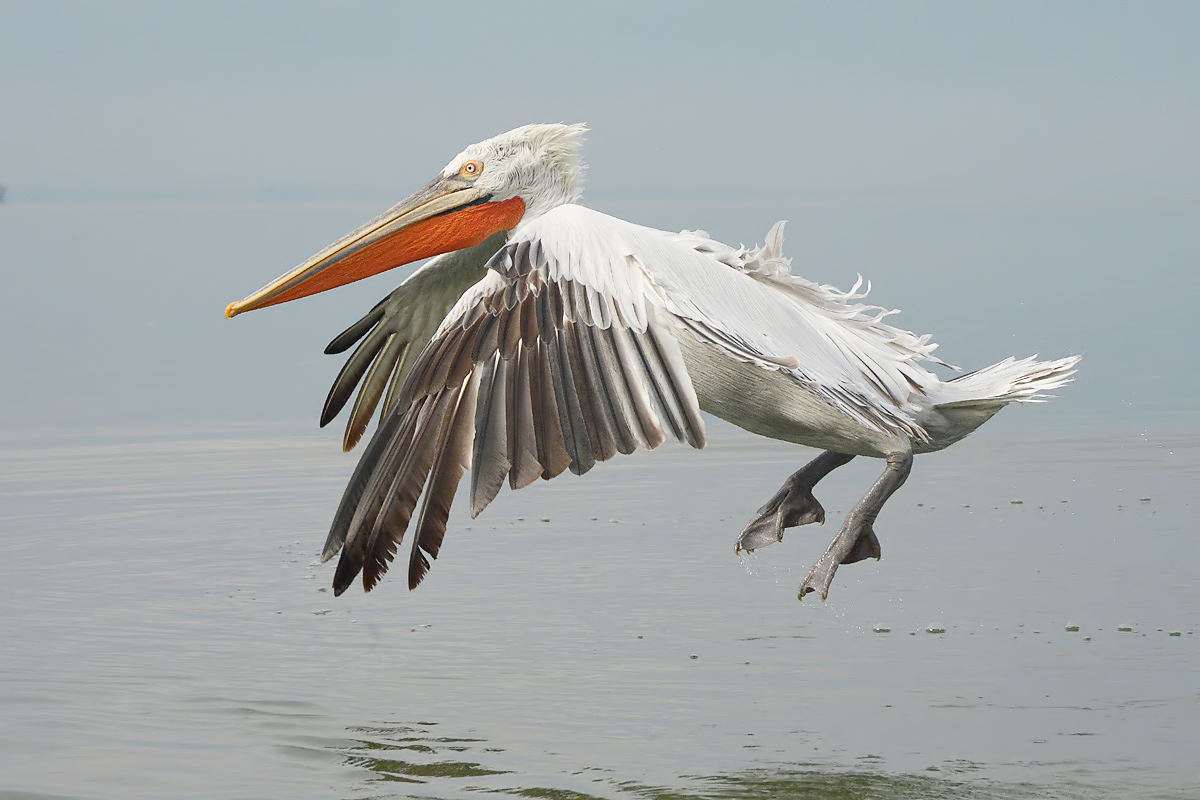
<point>166,633</point>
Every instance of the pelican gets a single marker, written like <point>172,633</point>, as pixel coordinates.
<point>542,336</point>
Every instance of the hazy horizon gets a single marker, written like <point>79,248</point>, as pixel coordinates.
<point>1008,175</point>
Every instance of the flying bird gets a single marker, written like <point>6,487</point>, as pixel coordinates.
<point>543,336</point>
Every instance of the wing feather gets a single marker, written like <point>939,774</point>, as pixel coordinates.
<point>574,429</point>
<point>678,384</point>
<point>453,460</point>
<point>490,461</point>
<point>591,400</point>
<point>372,390</point>
<point>352,372</point>
<point>608,398</point>
<point>522,441</point>
<point>663,399</point>
<point>411,351</point>
<point>546,364</point>
<point>400,498</point>
<point>551,446</point>
<point>341,343</point>
<point>365,493</point>
<point>408,317</point>
<point>638,382</point>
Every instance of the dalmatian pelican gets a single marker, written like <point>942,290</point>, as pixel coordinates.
<point>542,336</point>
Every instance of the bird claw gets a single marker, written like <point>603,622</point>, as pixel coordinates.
<point>865,545</point>
<point>819,578</point>
<point>790,507</point>
<point>761,532</point>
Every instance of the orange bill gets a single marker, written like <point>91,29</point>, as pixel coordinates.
<point>449,214</point>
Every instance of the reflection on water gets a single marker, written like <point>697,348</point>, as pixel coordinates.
<point>413,754</point>
<point>446,766</point>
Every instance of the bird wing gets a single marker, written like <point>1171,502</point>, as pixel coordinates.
<point>561,356</point>
<point>871,368</point>
<point>395,331</point>
<point>838,350</point>
<point>565,353</point>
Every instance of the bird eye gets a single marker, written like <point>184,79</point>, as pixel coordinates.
<point>471,169</point>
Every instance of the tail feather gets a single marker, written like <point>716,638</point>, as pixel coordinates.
<point>1025,380</point>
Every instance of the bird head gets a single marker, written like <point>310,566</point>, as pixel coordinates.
<point>495,185</point>
<point>541,165</point>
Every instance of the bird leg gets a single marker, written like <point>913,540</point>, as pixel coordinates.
<point>792,505</point>
<point>856,540</point>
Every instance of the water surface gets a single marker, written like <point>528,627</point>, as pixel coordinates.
<point>173,637</point>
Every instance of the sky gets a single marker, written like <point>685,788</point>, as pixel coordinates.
<point>822,101</point>
<point>1018,177</point>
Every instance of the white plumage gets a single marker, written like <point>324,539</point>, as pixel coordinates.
<point>580,335</point>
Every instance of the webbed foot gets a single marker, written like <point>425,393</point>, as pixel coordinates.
<point>865,546</point>
<point>856,540</point>
<point>792,505</point>
<point>787,509</point>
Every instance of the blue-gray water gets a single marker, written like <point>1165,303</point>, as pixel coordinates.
<point>163,495</point>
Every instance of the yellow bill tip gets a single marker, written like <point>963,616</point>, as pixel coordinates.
<point>231,310</point>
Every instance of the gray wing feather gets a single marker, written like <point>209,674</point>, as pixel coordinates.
<point>489,461</point>
<point>352,372</point>
<point>395,331</point>
<point>448,469</point>
<point>522,440</point>
<point>547,428</point>
<point>553,380</point>
<point>372,389</point>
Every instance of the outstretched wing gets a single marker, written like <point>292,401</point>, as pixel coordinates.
<point>395,331</point>
<point>562,356</point>
<point>565,353</point>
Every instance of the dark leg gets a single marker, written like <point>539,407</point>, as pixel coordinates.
<point>792,505</point>
<point>856,540</point>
